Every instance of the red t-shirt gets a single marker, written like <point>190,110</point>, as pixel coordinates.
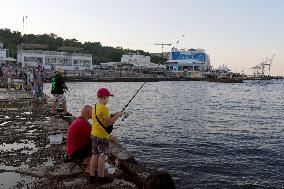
<point>78,135</point>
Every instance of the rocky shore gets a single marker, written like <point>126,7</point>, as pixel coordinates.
<point>30,161</point>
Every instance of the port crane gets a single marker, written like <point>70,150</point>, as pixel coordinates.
<point>266,65</point>
<point>163,44</point>
<point>263,69</point>
<point>256,70</point>
<point>168,44</point>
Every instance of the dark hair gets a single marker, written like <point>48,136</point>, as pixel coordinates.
<point>159,180</point>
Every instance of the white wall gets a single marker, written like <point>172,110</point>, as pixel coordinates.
<point>22,54</point>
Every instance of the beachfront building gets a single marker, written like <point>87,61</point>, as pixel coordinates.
<point>140,61</point>
<point>133,61</point>
<point>135,58</point>
<point>115,66</point>
<point>188,60</point>
<point>53,59</point>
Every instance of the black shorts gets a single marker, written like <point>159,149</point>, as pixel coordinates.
<point>83,152</point>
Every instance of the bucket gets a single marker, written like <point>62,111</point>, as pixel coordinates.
<point>110,169</point>
<point>55,139</point>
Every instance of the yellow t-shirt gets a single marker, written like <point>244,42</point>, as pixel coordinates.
<point>102,113</point>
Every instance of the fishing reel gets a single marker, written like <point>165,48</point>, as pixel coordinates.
<point>125,115</point>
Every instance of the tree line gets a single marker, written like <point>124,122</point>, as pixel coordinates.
<point>11,40</point>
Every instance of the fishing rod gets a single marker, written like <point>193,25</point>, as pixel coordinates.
<point>133,96</point>
<point>126,114</point>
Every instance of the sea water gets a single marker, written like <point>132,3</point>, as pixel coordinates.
<point>207,135</point>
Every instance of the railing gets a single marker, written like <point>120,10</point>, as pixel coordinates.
<point>57,53</point>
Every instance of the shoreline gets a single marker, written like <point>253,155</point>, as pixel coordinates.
<point>143,79</point>
<point>158,79</point>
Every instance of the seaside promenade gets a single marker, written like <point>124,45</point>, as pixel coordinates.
<point>30,161</point>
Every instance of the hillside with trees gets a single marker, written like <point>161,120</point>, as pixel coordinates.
<point>11,40</point>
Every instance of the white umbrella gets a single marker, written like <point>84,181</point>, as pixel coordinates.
<point>10,59</point>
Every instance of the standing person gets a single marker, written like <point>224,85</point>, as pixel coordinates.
<point>79,144</point>
<point>1,76</point>
<point>100,137</point>
<point>8,76</point>
<point>57,89</point>
<point>29,79</point>
<point>38,83</point>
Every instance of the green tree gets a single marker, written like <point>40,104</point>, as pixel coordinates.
<point>12,39</point>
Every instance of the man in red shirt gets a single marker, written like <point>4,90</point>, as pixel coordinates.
<point>79,145</point>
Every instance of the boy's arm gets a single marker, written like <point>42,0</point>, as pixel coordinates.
<point>111,120</point>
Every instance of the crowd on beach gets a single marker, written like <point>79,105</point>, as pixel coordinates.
<point>32,78</point>
<point>7,72</point>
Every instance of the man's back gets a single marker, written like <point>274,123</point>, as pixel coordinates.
<point>78,134</point>
<point>57,83</point>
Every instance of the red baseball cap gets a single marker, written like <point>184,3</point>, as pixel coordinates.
<point>103,92</point>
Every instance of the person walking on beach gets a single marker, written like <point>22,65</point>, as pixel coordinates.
<point>29,79</point>
<point>79,144</point>
<point>2,82</point>
<point>38,83</point>
<point>8,75</point>
<point>101,137</point>
<point>57,90</point>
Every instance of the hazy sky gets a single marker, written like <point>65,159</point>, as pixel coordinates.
<point>238,33</point>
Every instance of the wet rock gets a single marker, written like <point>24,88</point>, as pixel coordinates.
<point>76,181</point>
<point>120,152</point>
<point>65,170</point>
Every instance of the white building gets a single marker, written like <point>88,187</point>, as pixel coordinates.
<point>188,60</point>
<point>135,58</point>
<point>139,61</point>
<point>52,59</point>
<point>132,60</point>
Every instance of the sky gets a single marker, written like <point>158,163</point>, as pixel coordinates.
<point>237,33</point>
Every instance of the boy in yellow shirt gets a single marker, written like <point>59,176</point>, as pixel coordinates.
<point>101,137</point>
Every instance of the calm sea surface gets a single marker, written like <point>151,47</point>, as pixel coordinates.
<point>207,135</point>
